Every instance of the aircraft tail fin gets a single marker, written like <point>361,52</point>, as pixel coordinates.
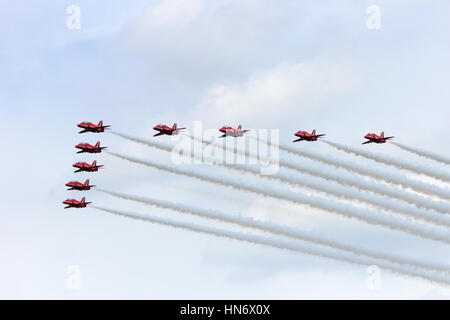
<point>86,183</point>
<point>313,132</point>
<point>239,128</point>
<point>97,145</point>
<point>83,200</point>
<point>100,123</point>
<point>382,134</point>
<point>94,163</point>
<point>174,126</point>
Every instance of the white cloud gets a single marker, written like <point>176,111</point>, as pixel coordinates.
<point>172,13</point>
<point>199,39</point>
<point>274,95</point>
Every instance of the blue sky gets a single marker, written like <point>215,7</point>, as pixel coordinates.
<point>286,65</point>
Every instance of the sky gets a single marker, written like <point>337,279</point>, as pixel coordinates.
<point>285,65</point>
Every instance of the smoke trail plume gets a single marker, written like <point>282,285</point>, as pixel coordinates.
<point>345,180</point>
<point>278,243</point>
<point>367,216</point>
<point>149,143</point>
<point>345,193</point>
<point>366,171</point>
<point>278,230</point>
<point>361,184</point>
<point>401,164</point>
<point>426,154</point>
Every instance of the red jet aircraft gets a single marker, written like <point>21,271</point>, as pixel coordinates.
<point>90,127</point>
<point>372,137</point>
<point>86,147</point>
<point>163,129</point>
<point>230,131</point>
<point>306,136</point>
<point>76,185</point>
<point>86,167</point>
<point>72,203</point>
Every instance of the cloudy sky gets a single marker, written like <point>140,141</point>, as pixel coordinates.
<point>286,65</point>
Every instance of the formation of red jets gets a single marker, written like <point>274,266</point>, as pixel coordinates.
<point>163,129</point>
<point>239,132</point>
<point>84,166</point>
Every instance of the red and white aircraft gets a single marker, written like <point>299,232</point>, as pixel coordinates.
<point>72,203</point>
<point>372,137</point>
<point>230,131</point>
<point>86,147</point>
<point>90,127</point>
<point>163,129</point>
<point>86,167</point>
<point>76,185</point>
<point>306,136</point>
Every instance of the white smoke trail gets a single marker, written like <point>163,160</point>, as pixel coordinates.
<point>149,143</point>
<point>361,184</point>
<point>366,171</point>
<point>278,243</point>
<point>373,173</point>
<point>430,155</point>
<point>345,193</point>
<point>345,180</point>
<point>278,230</point>
<point>401,164</point>
<point>367,216</point>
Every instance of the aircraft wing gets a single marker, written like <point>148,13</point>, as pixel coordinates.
<point>299,139</point>
<point>368,141</point>
<point>319,135</point>
<point>158,134</point>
